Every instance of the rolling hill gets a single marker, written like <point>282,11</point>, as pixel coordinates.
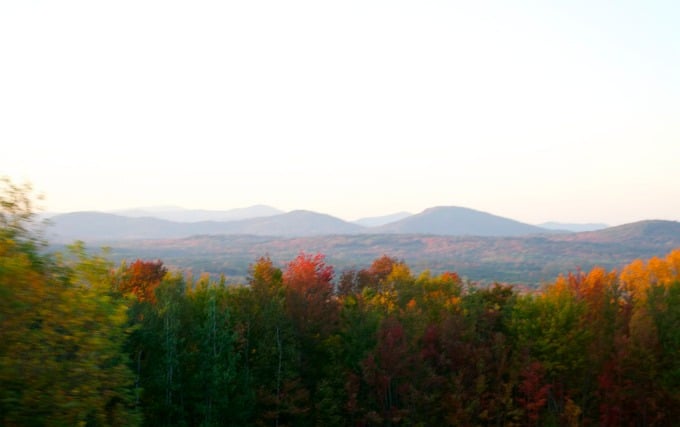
<point>649,232</point>
<point>453,221</point>
<point>528,260</point>
<point>96,226</point>
<point>459,221</point>
<point>295,223</point>
<point>99,226</point>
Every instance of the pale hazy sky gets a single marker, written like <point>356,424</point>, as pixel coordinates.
<point>535,110</point>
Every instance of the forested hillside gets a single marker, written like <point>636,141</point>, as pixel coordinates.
<point>84,342</point>
<point>527,260</point>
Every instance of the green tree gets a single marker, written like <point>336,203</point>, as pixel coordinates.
<point>214,389</point>
<point>61,330</point>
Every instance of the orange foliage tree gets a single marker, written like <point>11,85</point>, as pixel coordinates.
<point>141,278</point>
<point>309,294</point>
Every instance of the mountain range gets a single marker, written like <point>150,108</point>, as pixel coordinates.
<point>264,221</point>
<point>459,221</point>
<point>478,245</point>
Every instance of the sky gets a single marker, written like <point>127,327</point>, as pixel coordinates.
<point>538,111</point>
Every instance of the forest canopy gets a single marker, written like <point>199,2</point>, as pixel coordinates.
<point>87,342</point>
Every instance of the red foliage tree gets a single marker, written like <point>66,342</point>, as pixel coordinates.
<point>382,267</point>
<point>309,294</point>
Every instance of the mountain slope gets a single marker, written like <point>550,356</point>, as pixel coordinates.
<point>376,221</point>
<point>459,221</point>
<point>195,215</point>
<point>105,226</point>
<point>98,226</point>
<point>642,232</point>
<point>295,223</point>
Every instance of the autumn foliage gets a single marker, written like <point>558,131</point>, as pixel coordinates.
<point>141,278</point>
<point>84,343</point>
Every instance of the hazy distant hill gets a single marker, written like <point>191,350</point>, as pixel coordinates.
<point>649,232</point>
<point>195,215</point>
<point>576,228</point>
<point>448,221</point>
<point>521,259</point>
<point>459,221</point>
<point>98,226</point>
<point>295,223</point>
<point>440,221</point>
<point>105,226</point>
<point>376,221</point>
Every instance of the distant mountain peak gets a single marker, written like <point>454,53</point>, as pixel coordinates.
<point>452,208</point>
<point>99,226</point>
<point>304,212</point>
<point>460,221</point>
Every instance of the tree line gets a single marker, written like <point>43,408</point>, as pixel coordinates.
<point>84,342</point>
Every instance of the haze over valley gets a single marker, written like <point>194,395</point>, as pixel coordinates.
<point>481,246</point>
